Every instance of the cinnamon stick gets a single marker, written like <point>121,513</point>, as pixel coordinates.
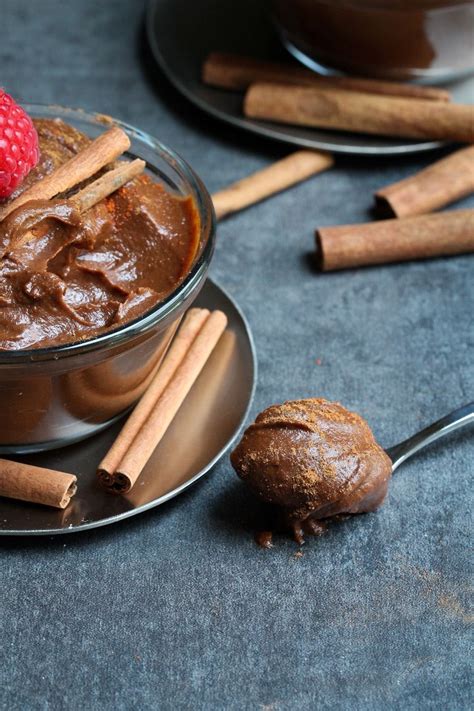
<point>36,484</point>
<point>107,184</point>
<point>165,408</point>
<point>280,175</point>
<point>103,150</point>
<point>360,112</point>
<point>196,417</point>
<point>188,331</point>
<point>443,182</point>
<point>395,240</point>
<point>231,71</point>
<point>91,194</point>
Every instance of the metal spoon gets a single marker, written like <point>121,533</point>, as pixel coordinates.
<point>460,417</point>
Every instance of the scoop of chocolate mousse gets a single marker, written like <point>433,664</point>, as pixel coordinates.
<point>314,459</point>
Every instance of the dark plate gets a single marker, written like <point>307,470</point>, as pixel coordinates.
<point>182,33</point>
<point>204,428</point>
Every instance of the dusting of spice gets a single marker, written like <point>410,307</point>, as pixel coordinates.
<point>314,460</point>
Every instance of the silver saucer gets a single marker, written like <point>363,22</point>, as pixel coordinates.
<point>182,33</point>
<point>205,427</point>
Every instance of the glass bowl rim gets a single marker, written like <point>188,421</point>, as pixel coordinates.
<point>378,5</point>
<point>164,307</point>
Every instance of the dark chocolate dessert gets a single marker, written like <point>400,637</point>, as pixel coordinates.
<point>83,274</point>
<point>314,459</point>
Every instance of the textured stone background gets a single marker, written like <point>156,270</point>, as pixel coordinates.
<point>178,608</point>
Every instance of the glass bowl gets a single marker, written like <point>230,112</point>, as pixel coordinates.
<point>428,40</point>
<point>58,395</point>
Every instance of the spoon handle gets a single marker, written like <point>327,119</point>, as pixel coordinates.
<point>460,417</point>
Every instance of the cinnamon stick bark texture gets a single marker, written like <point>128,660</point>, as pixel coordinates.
<point>360,112</point>
<point>165,408</point>
<point>36,485</point>
<point>231,71</point>
<point>193,322</point>
<point>278,176</point>
<point>396,240</point>
<point>107,184</point>
<point>103,150</point>
<point>443,182</point>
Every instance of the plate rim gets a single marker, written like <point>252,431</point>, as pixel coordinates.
<point>255,127</point>
<point>87,526</point>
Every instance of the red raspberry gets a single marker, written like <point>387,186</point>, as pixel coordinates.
<point>19,151</point>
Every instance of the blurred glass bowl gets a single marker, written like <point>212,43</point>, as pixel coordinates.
<point>430,40</point>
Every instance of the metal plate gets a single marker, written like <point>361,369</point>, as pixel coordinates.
<point>182,33</point>
<point>204,428</point>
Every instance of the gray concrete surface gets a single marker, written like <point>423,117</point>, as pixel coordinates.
<point>179,608</point>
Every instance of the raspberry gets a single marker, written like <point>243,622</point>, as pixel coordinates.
<point>19,151</point>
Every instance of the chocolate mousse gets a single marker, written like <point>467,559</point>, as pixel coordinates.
<point>85,274</point>
<point>394,39</point>
<point>313,459</point>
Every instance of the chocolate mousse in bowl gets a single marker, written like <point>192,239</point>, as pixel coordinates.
<point>430,40</point>
<point>93,289</point>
